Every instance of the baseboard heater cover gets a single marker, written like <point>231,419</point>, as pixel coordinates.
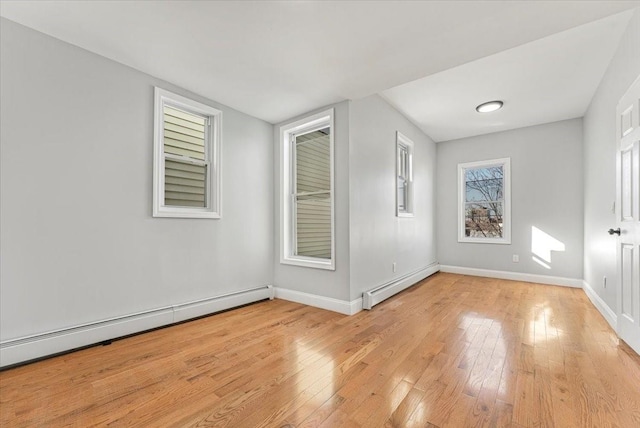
<point>20,350</point>
<point>379,294</point>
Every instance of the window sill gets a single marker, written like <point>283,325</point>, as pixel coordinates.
<point>179,213</point>
<point>308,262</point>
<point>484,241</point>
<point>404,215</point>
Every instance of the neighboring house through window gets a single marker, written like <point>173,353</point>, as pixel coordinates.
<point>484,202</point>
<point>186,169</point>
<point>307,225</point>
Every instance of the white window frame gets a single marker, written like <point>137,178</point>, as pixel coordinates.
<point>505,163</point>
<point>213,150</point>
<point>402,142</point>
<point>287,224</point>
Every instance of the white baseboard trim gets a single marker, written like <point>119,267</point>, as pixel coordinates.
<point>382,292</point>
<point>515,276</point>
<point>28,348</point>
<point>601,306</point>
<point>187,311</point>
<point>322,302</point>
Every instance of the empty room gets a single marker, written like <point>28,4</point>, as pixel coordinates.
<point>320,213</point>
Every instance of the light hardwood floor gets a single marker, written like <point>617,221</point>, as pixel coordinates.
<point>452,351</point>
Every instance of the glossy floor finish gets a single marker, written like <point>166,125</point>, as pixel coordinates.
<point>452,351</point>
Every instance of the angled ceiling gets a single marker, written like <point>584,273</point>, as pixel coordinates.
<point>550,79</point>
<point>278,59</point>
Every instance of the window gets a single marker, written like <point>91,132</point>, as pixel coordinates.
<point>484,207</point>
<point>404,176</point>
<point>186,167</point>
<point>307,225</point>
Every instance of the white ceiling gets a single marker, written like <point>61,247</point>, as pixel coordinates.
<point>278,59</point>
<point>550,79</point>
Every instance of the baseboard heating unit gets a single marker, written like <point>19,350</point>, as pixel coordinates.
<point>23,349</point>
<point>373,297</point>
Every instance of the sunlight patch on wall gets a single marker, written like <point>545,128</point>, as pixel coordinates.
<point>542,244</point>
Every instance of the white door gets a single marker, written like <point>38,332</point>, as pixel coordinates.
<point>628,202</point>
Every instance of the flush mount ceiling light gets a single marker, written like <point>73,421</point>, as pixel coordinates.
<point>489,106</point>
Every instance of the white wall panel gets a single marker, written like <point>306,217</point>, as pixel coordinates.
<point>379,238</point>
<point>79,243</point>
<point>546,200</point>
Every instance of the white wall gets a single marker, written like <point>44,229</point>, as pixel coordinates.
<point>319,282</point>
<point>378,237</point>
<point>600,164</point>
<point>546,193</point>
<point>78,240</point>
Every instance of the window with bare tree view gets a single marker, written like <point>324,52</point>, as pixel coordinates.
<point>484,201</point>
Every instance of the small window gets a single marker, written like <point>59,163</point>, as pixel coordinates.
<point>404,176</point>
<point>186,173</point>
<point>307,192</point>
<point>484,207</point>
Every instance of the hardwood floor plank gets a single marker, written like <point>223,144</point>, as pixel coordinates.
<point>322,413</point>
<point>502,415</point>
<point>564,400</point>
<point>402,413</point>
<point>314,399</point>
<point>526,407</point>
<point>453,351</point>
<point>426,407</point>
<point>542,388</point>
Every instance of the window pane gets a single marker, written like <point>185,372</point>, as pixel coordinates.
<point>313,169</point>
<point>404,185</point>
<point>313,225</point>
<point>484,220</point>
<point>484,210</point>
<point>484,184</point>
<point>312,203</point>
<point>403,161</point>
<point>184,133</point>
<point>184,184</point>
<point>187,143</point>
<point>402,194</point>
